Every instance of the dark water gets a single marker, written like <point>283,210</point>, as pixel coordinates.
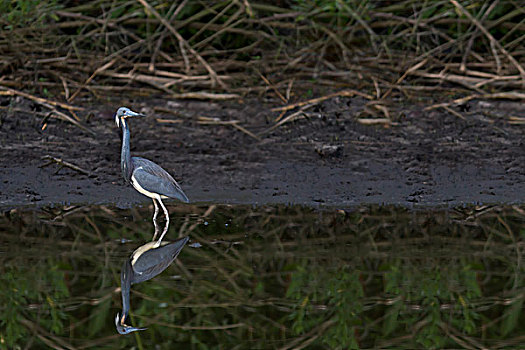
<point>267,277</point>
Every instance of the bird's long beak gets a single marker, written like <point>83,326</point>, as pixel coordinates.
<point>131,114</point>
<point>129,329</point>
<point>123,328</point>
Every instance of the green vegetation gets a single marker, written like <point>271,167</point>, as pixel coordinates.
<point>30,295</point>
<point>271,277</point>
<point>380,47</point>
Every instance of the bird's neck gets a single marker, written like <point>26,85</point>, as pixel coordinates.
<point>125,155</point>
<point>125,286</point>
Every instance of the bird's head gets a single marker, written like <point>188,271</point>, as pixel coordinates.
<point>125,112</point>
<point>123,328</point>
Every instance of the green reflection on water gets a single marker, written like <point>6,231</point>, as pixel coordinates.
<point>269,277</point>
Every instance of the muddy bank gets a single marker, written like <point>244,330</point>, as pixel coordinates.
<point>325,158</point>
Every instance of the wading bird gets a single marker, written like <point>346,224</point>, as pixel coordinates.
<point>146,262</point>
<point>145,176</point>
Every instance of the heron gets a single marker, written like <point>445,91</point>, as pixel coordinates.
<point>146,262</point>
<point>145,176</point>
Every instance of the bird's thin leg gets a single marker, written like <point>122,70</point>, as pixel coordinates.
<point>155,219</point>
<point>167,222</point>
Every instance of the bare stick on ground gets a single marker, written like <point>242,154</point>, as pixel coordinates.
<point>498,95</point>
<point>40,100</point>
<point>63,163</point>
<point>234,123</point>
<point>344,93</point>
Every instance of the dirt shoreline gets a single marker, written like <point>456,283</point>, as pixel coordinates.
<point>426,158</point>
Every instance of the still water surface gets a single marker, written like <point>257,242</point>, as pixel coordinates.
<point>267,277</point>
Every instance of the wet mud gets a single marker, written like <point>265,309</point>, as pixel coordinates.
<point>325,158</point>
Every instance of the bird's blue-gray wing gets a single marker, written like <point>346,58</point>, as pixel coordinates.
<point>153,178</point>
<point>152,262</point>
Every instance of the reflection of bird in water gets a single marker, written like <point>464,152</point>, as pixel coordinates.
<point>146,262</point>
<point>145,176</point>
